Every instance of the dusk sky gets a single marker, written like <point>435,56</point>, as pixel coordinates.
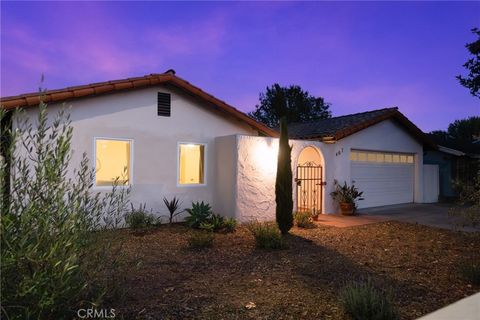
<point>357,55</point>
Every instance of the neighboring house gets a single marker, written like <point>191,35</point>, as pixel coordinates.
<point>176,140</point>
<point>456,161</point>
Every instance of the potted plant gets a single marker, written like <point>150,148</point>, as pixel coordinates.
<point>346,196</point>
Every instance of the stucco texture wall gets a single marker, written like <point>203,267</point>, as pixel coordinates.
<point>133,115</point>
<point>255,175</point>
<point>256,167</point>
<point>240,166</point>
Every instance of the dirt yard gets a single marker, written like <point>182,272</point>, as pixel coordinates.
<point>419,264</point>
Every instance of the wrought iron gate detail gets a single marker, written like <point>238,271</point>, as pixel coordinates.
<point>309,187</point>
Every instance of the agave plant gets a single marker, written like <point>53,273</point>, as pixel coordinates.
<point>199,212</point>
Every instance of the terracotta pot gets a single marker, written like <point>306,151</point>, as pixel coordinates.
<point>347,209</point>
<point>315,217</point>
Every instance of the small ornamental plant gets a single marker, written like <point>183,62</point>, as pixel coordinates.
<point>173,207</point>
<point>346,196</point>
<point>303,219</point>
<point>362,301</point>
<point>267,235</point>
<point>201,240</point>
<point>140,218</point>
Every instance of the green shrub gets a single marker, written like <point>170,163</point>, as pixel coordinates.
<point>199,212</point>
<point>207,226</point>
<point>229,225</point>
<point>49,213</point>
<point>201,240</point>
<point>303,219</point>
<point>362,301</point>
<point>217,223</point>
<point>139,218</point>
<point>467,213</point>
<point>470,271</point>
<point>267,235</point>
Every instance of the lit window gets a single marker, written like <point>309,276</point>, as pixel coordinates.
<point>353,156</point>
<point>380,157</point>
<point>362,156</point>
<point>410,159</point>
<point>112,162</point>
<point>388,157</point>
<point>396,158</point>
<point>191,164</point>
<point>372,157</point>
<point>403,159</point>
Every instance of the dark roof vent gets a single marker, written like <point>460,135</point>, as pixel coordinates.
<point>170,71</point>
<point>163,104</point>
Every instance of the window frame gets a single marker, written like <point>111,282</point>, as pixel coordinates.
<point>205,165</point>
<point>132,161</point>
<point>392,154</point>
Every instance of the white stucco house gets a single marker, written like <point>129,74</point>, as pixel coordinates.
<point>176,140</point>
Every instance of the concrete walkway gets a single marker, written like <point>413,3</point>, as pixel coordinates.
<point>340,221</point>
<point>433,215</point>
<point>465,309</point>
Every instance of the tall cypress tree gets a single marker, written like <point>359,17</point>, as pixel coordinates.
<point>283,183</point>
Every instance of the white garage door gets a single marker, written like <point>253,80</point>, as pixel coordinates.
<point>385,178</point>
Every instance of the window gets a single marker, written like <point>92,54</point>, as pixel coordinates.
<point>353,156</point>
<point>113,162</point>
<point>380,157</point>
<point>191,168</point>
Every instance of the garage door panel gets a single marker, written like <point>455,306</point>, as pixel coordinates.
<point>383,184</point>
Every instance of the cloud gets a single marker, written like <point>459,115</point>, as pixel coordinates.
<point>197,38</point>
<point>91,45</point>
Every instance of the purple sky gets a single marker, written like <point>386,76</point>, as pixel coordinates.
<point>358,56</point>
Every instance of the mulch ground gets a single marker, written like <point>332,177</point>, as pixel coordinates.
<point>417,263</point>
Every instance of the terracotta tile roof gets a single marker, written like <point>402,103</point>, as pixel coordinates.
<point>336,128</point>
<point>167,78</point>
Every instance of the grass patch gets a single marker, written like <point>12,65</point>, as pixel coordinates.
<point>267,235</point>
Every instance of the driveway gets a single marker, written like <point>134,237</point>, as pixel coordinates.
<point>433,215</point>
